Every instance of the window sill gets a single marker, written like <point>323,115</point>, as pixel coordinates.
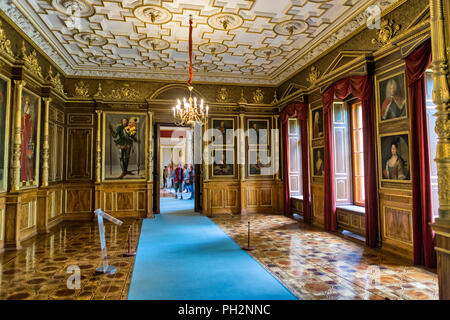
<point>352,208</point>
<point>297,197</point>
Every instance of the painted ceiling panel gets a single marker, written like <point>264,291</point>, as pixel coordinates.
<point>233,39</point>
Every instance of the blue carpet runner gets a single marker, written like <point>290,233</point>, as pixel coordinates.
<point>182,255</point>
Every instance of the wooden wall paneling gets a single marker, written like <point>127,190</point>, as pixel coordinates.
<point>79,154</point>
<point>2,221</point>
<point>317,204</point>
<point>78,202</point>
<point>221,198</point>
<point>396,222</point>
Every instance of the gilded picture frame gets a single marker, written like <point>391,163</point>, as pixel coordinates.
<point>317,129</point>
<point>112,155</point>
<point>27,184</point>
<point>315,153</point>
<point>5,130</point>
<point>403,139</point>
<point>258,124</point>
<point>227,142</point>
<point>223,170</point>
<point>255,169</point>
<point>389,107</point>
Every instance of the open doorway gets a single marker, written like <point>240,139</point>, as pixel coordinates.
<point>175,175</point>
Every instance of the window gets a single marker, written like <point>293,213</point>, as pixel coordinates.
<point>432,139</point>
<point>348,153</point>
<point>357,153</point>
<point>295,159</point>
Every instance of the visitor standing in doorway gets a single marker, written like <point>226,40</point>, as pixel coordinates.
<point>179,176</point>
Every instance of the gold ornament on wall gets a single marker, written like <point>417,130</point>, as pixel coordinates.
<point>5,44</point>
<point>258,96</point>
<point>31,61</point>
<point>314,75</point>
<point>99,93</point>
<point>275,97</point>
<point>389,29</point>
<point>55,81</point>
<point>222,95</point>
<point>125,92</point>
<point>242,99</point>
<point>81,90</point>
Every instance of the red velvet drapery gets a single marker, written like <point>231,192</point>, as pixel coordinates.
<point>362,88</point>
<point>299,110</point>
<point>423,238</point>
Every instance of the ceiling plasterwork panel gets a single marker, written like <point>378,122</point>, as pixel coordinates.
<point>148,39</point>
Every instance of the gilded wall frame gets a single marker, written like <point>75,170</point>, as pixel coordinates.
<point>380,164</point>
<point>267,122</point>
<point>4,180</point>
<point>225,142</point>
<point>225,152</point>
<point>26,184</point>
<point>106,135</point>
<point>378,102</point>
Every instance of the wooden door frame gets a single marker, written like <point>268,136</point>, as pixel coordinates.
<point>157,173</point>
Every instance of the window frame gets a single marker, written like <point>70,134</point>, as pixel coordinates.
<point>351,103</point>
<point>299,174</point>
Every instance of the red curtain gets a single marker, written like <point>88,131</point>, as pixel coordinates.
<point>362,88</point>
<point>298,109</point>
<point>423,238</point>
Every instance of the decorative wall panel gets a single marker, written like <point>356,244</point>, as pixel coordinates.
<point>79,155</point>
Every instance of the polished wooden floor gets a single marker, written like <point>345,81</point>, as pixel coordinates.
<point>312,263</point>
<point>39,269</point>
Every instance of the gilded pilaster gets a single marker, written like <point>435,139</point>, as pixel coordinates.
<point>276,163</point>
<point>98,149</point>
<point>45,146</point>
<point>242,147</point>
<point>150,148</point>
<point>19,84</point>
<point>441,98</point>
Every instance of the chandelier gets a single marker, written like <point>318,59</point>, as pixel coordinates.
<point>190,112</point>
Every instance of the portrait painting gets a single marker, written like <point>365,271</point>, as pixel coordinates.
<point>4,101</point>
<point>223,162</point>
<point>124,146</point>
<point>392,98</point>
<point>225,129</point>
<point>318,156</point>
<point>395,157</point>
<point>258,132</point>
<point>259,162</point>
<point>317,123</point>
<point>29,147</point>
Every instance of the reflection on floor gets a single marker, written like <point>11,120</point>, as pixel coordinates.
<point>315,264</point>
<point>39,270</point>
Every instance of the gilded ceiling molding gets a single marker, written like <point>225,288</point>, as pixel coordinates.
<point>222,95</point>
<point>81,89</point>
<point>55,80</point>
<point>389,29</point>
<point>224,21</point>
<point>5,44</point>
<point>258,96</point>
<point>314,75</point>
<point>31,61</point>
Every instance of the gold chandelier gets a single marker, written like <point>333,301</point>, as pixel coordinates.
<point>190,112</point>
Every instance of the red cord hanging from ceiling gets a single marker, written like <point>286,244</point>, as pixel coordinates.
<point>191,73</point>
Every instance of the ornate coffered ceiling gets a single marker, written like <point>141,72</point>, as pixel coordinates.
<point>261,42</point>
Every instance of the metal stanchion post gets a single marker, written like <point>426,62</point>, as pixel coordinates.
<point>248,247</point>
